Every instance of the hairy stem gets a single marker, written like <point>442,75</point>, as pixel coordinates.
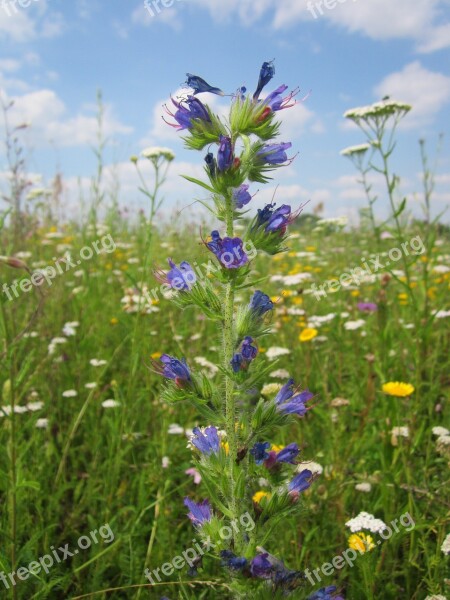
<point>230,405</point>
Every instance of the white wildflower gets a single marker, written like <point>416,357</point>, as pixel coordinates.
<point>310,465</point>
<point>365,486</point>
<point>366,521</point>
<point>110,403</point>
<point>352,325</point>
<point>276,351</point>
<point>445,548</point>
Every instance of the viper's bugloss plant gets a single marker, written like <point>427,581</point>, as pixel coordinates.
<point>235,447</point>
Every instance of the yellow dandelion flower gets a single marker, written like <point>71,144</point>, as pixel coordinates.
<point>398,389</point>
<point>297,300</point>
<point>355,293</point>
<point>308,334</point>
<point>259,496</point>
<point>114,321</point>
<point>403,296</point>
<point>276,448</point>
<point>310,248</point>
<point>156,355</point>
<point>361,542</point>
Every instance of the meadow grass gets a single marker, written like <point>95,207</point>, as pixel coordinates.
<point>88,465</point>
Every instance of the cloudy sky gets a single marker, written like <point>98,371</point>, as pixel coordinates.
<point>56,54</point>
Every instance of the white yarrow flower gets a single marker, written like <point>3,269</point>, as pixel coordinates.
<point>366,521</point>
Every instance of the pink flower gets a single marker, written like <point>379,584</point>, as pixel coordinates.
<point>195,474</point>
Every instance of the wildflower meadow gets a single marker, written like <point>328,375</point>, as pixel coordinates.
<point>235,398</point>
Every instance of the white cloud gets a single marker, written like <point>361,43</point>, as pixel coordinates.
<point>427,91</point>
<point>25,24</point>
<point>420,20</point>
<point>47,115</point>
<point>438,39</point>
<point>169,16</point>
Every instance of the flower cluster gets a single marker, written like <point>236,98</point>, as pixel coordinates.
<point>234,451</point>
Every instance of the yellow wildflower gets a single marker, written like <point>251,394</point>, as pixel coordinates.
<point>308,334</point>
<point>398,389</point>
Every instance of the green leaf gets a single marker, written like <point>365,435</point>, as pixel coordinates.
<point>200,183</point>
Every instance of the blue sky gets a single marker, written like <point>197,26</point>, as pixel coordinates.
<point>56,54</point>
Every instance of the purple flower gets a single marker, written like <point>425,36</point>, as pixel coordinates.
<point>280,219</point>
<point>199,85</point>
<point>172,368</point>
<point>199,513</point>
<point>291,404</point>
<point>206,441</point>
<point>229,251</point>
<point>325,594</point>
<point>260,304</point>
<point>261,566</point>
<point>242,359</point>
<point>182,278</point>
<point>211,164</point>
<point>265,75</point>
<point>241,196</point>
<point>225,155</point>
<point>300,483</point>
<point>185,115</point>
<point>288,454</point>
<point>259,452</point>
<point>274,220</point>
<point>275,100</point>
<point>367,307</point>
<point>230,560</point>
<point>274,154</point>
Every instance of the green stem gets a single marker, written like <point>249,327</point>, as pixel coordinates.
<point>228,345</point>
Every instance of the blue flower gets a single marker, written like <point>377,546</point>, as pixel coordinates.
<point>300,483</point>
<point>241,196</point>
<point>261,566</point>
<point>185,115</point>
<point>229,251</point>
<point>248,351</point>
<point>206,441</point>
<point>275,100</point>
<point>211,164</point>
<point>242,359</point>
<point>199,85</point>
<point>288,454</point>
<point>198,513</point>
<point>274,220</point>
<point>260,304</point>
<point>236,362</point>
<point>274,154</point>
<point>172,368</point>
<point>265,75</point>
<point>259,452</point>
<point>225,155</point>
<point>291,404</point>
<point>325,594</point>
<point>230,560</point>
<point>280,219</point>
<point>182,278</point>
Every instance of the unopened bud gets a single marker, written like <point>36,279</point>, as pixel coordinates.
<point>13,262</point>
